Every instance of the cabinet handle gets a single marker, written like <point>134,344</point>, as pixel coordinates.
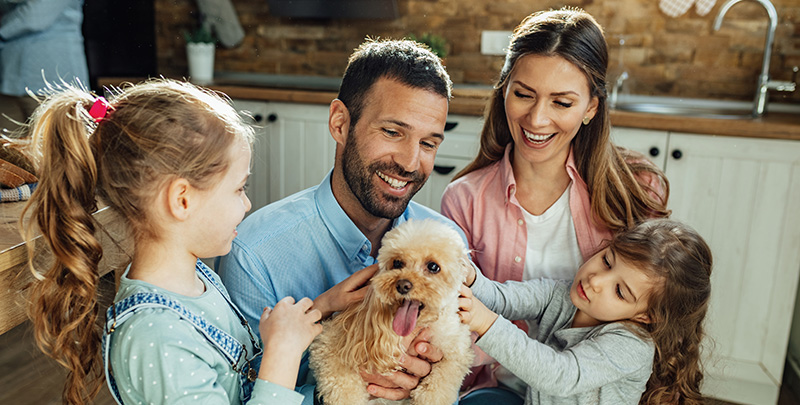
<point>654,151</point>
<point>258,118</point>
<point>677,154</point>
<point>449,125</point>
<point>443,169</point>
<point>272,117</point>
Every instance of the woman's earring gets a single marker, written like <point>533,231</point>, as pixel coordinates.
<point>586,120</point>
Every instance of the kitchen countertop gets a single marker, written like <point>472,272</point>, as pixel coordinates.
<point>470,100</point>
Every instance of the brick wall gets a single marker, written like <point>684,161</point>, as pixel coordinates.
<point>664,56</point>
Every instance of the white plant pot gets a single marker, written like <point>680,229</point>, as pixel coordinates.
<point>201,62</point>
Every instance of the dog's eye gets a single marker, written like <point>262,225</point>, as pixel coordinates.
<point>397,264</point>
<point>433,267</point>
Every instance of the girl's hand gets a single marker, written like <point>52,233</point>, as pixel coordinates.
<point>286,331</point>
<point>291,325</point>
<point>352,289</point>
<point>471,274</point>
<point>474,313</point>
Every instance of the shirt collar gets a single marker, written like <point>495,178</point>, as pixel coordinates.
<point>346,234</point>
<point>507,172</point>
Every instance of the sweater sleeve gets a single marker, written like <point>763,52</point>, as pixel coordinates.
<point>514,299</point>
<point>612,355</point>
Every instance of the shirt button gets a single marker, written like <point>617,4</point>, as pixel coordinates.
<point>521,222</point>
<point>517,259</point>
<point>364,248</point>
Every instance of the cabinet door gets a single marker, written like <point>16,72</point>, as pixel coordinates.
<point>301,149</point>
<point>652,144</point>
<point>742,195</point>
<point>460,146</point>
<point>255,113</point>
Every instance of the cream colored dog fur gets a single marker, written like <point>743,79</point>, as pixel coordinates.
<point>421,266</point>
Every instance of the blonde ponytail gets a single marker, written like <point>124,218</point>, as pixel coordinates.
<point>63,304</point>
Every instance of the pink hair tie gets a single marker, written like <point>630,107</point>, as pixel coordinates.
<point>99,109</point>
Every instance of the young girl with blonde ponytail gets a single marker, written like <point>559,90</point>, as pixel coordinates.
<point>172,159</point>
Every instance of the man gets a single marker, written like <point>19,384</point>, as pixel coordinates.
<point>388,122</point>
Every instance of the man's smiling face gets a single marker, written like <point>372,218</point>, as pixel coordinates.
<point>390,151</point>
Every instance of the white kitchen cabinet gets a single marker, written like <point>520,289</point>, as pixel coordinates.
<point>742,195</point>
<point>258,182</point>
<point>652,144</point>
<point>293,148</point>
<point>301,149</point>
<point>460,146</point>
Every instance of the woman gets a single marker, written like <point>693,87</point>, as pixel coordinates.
<point>548,186</point>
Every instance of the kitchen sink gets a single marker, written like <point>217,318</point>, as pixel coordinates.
<point>694,107</point>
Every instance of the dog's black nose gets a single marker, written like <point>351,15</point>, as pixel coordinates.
<point>403,286</point>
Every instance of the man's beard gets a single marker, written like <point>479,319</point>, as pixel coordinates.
<point>359,178</point>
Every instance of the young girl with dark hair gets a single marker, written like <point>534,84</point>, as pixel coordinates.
<point>626,330</point>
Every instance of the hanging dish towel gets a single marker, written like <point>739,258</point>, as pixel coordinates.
<point>222,16</point>
<point>677,8</point>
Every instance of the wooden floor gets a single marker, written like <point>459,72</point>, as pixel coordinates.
<point>27,377</point>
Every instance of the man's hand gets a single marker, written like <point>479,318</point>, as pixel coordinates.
<point>416,364</point>
<point>350,290</point>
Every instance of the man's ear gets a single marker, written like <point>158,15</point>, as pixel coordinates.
<point>339,121</point>
<point>178,198</point>
<point>642,318</point>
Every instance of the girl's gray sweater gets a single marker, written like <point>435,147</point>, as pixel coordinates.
<point>605,364</point>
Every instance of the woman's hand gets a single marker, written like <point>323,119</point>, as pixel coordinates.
<point>474,313</point>
<point>350,290</point>
<point>286,331</point>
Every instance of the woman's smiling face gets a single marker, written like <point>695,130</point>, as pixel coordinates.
<point>546,100</point>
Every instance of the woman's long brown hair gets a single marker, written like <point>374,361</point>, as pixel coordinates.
<point>154,132</point>
<point>618,199</point>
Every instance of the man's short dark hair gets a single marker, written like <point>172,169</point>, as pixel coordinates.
<point>408,62</point>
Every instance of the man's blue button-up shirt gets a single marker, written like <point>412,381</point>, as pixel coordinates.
<point>299,246</point>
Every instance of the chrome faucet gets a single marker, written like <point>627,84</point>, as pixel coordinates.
<point>764,84</point>
<point>612,100</point>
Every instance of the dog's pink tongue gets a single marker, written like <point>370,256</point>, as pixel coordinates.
<point>406,317</point>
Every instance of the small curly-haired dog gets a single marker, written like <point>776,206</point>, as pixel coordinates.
<point>421,266</point>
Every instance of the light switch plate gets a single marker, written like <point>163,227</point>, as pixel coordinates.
<point>494,42</point>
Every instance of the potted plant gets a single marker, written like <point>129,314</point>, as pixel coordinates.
<point>200,44</point>
<point>437,44</point>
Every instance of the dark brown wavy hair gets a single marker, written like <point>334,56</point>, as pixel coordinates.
<point>678,256</point>
<point>155,132</point>
<point>618,200</point>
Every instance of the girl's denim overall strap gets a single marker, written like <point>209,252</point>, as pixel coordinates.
<point>207,273</point>
<point>249,370</point>
<point>118,313</point>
